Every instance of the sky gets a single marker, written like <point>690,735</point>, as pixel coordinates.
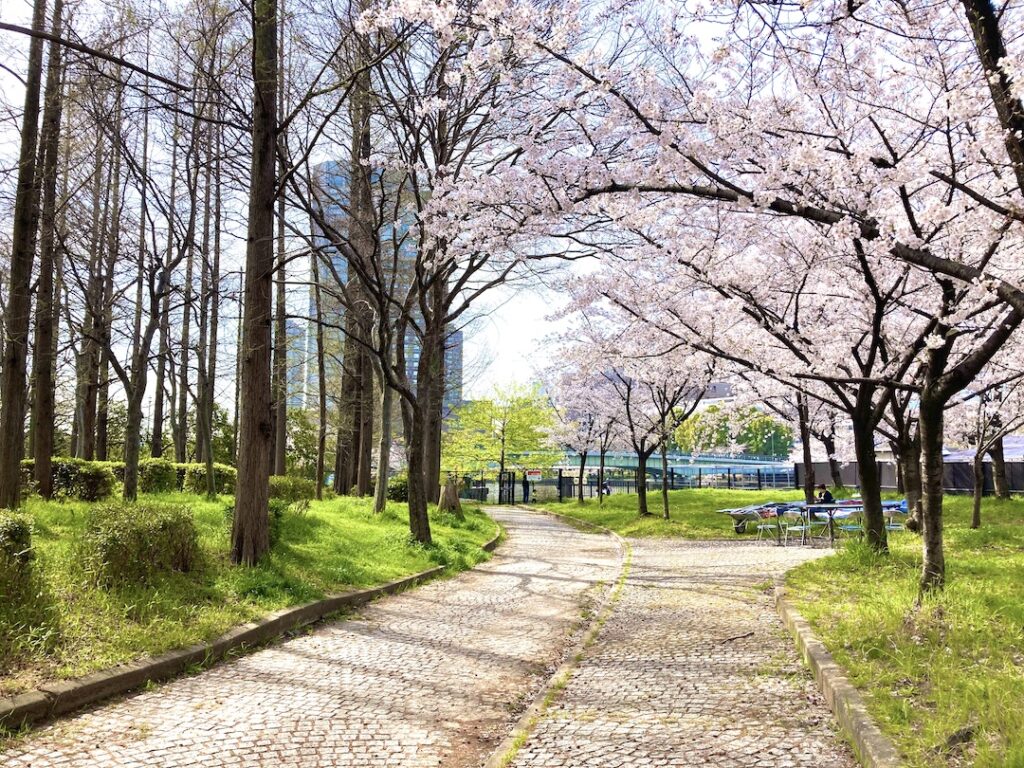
<point>507,342</point>
<point>513,342</point>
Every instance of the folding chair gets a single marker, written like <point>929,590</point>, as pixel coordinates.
<point>768,524</point>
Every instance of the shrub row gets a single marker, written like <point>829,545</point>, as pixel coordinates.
<point>77,478</point>
<point>96,480</point>
<point>163,476</point>
<point>130,543</point>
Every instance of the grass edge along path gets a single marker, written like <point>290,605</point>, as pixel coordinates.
<point>335,546</point>
<point>943,679</point>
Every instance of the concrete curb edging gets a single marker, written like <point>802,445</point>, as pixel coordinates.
<point>60,697</point>
<point>509,746</point>
<point>874,749</point>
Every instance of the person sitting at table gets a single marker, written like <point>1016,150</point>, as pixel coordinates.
<point>825,495</point>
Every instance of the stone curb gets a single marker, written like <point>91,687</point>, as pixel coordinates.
<point>506,750</point>
<point>61,697</point>
<point>874,749</point>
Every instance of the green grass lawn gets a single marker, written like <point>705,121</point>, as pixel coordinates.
<point>945,680</point>
<point>692,513</point>
<point>335,545</point>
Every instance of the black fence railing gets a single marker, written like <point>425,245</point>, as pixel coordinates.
<point>957,476</point>
<point>557,485</point>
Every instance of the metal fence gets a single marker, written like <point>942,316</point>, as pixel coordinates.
<point>509,488</point>
<point>957,476</point>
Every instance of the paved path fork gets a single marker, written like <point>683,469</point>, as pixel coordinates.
<point>692,668</point>
<point>432,677</point>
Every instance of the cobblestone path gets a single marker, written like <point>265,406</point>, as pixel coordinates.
<point>432,677</point>
<point>692,668</point>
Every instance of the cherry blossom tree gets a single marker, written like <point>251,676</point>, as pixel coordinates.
<point>885,134</point>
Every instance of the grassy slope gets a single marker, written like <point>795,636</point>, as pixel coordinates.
<point>336,545</point>
<point>956,662</point>
<point>693,513</point>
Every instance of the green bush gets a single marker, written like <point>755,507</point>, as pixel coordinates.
<point>117,467</point>
<point>195,478</point>
<point>130,543</point>
<point>398,487</point>
<point>157,476</point>
<point>77,478</point>
<point>289,489</point>
<point>95,481</point>
<point>16,556</point>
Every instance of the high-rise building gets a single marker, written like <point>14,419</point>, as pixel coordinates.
<point>452,373</point>
<point>295,344</point>
<point>333,196</point>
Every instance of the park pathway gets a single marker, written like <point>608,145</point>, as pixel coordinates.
<point>692,668</point>
<point>431,677</point>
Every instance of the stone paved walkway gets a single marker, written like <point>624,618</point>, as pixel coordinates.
<point>692,668</point>
<point>432,677</point>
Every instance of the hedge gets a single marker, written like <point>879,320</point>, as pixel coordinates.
<point>157,476</point>
<point>77,478</point>
<point>130,543</point>
<point>291,489</point>
<point>195,478</point>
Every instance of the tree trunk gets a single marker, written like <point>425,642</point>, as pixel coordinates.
<point>364,467</point>
<point>380,496</point>
<point>804,420</point>
<point>44,358</point>
<point>163,358</point>
<point>321,375</point>
<point>641,481</point>
<point>999,481</point>
<point>238,369</point>
<point>19,301</point>
<point>181,422</point>
<point>978,465</point>
<point>828,442</point>
<point>910,460</point>
<point>211,365</point>
<point>132,442</point>
<point>449,499</point>
<point>203,417</point>
<point>280,386</point>
<point>348,417</point>
<point>870,489</point>
<point>930,419</point>
<point>250,529</point>
<point>419,523</point>
<point>600,476</point>
<point>583,469</point>
<point>664,477</point>
<point>280,375</point>
<point>433,355</point>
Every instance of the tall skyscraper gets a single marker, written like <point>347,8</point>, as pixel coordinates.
<point>333,195</point>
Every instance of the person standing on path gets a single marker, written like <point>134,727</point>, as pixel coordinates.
<point>526,488</point>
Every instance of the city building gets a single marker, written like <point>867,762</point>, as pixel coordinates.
<point>333,190</point>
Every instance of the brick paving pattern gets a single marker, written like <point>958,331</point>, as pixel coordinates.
<point>692,668</point>
<point>432,677</point>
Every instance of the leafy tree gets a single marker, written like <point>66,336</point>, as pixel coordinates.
<point>509,430</point>
<point>717,429</point>
<point>303,438</point>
